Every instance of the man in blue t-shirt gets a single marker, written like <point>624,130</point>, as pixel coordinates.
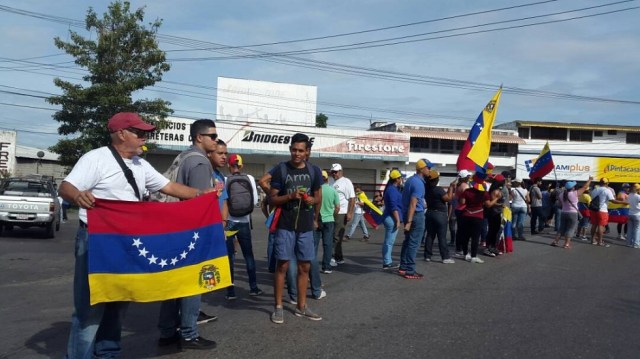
<point>413,207</point>
<point>296,195</point>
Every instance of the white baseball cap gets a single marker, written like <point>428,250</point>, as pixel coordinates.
<point>464,174</point>
<point>336,167</point>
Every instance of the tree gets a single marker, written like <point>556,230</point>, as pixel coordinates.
<point>321,120</point>
<point>123,59</point>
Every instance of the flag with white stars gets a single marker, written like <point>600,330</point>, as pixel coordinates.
<point>475,150</point>
<point>152,251</point>
<point>543,164</point>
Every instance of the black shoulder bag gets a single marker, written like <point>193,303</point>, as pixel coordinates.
<point>127,172</point>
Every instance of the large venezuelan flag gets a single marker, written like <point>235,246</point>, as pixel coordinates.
<point>506,243</point>
<point>475,151</point>
<point>152,251</point>
<point>618,213</point>
<point>544,164</point>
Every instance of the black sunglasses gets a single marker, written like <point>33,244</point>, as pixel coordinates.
<point>138,132</point>
<point>212,136</point>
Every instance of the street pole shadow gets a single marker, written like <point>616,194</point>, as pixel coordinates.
<point>51,341</point>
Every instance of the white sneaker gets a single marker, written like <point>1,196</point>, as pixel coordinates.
<point>620,236</point>
<point>322,294</point>
<point>468,257</point>
<point>333,263</point>
<point>476,260</point>
<point>448,261</point>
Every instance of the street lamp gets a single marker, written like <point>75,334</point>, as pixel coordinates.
<point>40,154</point>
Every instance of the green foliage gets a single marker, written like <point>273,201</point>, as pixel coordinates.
<point>123,59</point>
<point>321,120</point>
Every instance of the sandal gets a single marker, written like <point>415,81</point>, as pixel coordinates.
<point>413,276</point>
<point>554,244</point>
<point>567,246</point>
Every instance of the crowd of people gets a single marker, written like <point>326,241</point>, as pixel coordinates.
<point>305,213</point>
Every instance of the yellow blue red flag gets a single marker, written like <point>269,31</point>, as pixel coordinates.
<point>475,150</point>
<point>152,251</point>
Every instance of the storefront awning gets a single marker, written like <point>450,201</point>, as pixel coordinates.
<point>461,136</point>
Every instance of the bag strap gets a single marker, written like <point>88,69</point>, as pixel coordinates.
<point>127,171</point>
<point>521,196</point>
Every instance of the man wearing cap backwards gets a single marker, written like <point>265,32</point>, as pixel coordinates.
<point>178,318</point>
<point>347,196</point>
<point>600,218</point>
<point>413,207</point>
<point>243,226</point>
<point>96,329</point>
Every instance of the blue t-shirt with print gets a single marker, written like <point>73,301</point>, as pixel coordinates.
<point>219,184</point>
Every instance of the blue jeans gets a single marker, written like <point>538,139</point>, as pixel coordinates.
<point>556,218</point>
<point>314,270</point>
<point>95,329</point>
<point>411,244</point>
<point>326,233</point>
<point>179,313</point>
<point>436,225</point>
<point>537,219</point>
<point>244,240</point>
<point>390,232</point>
<point>358,220</point>
<point>519,214</point>
<point>633,231</point>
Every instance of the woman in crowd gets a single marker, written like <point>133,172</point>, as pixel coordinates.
<point>463,183</point>
<point>436,216</point>
<point>358,218</point>
<point>633,234</point>
<point>474,200</point>
<point>583,207</point>
<point>569,213</point>
<point>622,195</point>
<point>493,213</point>
<point>392,216</point>
<point>519,207</point>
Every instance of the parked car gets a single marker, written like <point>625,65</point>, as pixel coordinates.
<point>27,202</point>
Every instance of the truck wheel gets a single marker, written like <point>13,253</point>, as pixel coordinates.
<point>48,230</point>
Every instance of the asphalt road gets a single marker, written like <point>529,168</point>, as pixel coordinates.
<point>538,302</point>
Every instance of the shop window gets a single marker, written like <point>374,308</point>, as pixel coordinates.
<point>633,137</point>
<point>418,144</point>
<point>499,148</point>
<point>446,146</point>
<point>581,135</point>
<point>612,132</point>
<point>597,133</point>
<point>523,132</point>
<point>545,133</point>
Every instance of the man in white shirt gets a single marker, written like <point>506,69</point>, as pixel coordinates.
<point>347,196</point>
<point>600,218</point>
<point>96,329</point>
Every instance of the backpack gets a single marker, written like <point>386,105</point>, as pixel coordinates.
<point>172,175</point>
<point>595,203</point>
<point>240,191</point>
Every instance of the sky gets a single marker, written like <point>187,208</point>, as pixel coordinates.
<point>557,60</point>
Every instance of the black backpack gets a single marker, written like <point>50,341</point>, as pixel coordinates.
<point>240,191</point>
<point>595,203</point>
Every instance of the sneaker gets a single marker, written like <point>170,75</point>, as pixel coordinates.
<point>293,300</point>
<point>327,271</point>
<point>495,251</point>
<point>390,266</point>
<point>402,272</point>
<point>340,261</point>
<point>205,318</point>
<point>231,296</point>
<point>583,238</point>
<point>307,313</point>
<point>427,259</point>
<point>322,295</point>
<point>198,343</point>
<point>448,261</point>
<point>476,260</point>
<point>467,257</point>
<point>278,315</point>
<point>488,253</point>
<point>413,276</point>
<point>458,255</point>
<point>333,263</point>
<point>620,236</point>
<point>256,291</point>
<point>346,238</point>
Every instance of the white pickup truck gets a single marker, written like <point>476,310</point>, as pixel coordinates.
<point>28,202</point>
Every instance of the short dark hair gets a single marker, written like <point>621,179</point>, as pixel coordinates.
<point>200,126</point>
<point>301,137</point>
<point>221,143</point>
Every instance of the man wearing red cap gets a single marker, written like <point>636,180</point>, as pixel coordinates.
<point>95,329</point>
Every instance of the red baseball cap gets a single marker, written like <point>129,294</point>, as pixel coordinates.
<point>124,120</point>
<point>235,160</point>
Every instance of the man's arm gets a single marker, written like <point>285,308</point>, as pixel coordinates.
<point>71,194</point>
<point>264,181</point>
<point>412,210</point>
<point>181,191</point>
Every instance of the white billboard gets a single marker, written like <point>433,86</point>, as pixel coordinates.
<point>244,101</point>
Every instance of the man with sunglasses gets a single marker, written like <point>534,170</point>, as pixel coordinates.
<point>179,317</point>
<point>96,329</point>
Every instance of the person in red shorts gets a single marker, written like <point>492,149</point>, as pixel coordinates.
<point>600,218</point>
